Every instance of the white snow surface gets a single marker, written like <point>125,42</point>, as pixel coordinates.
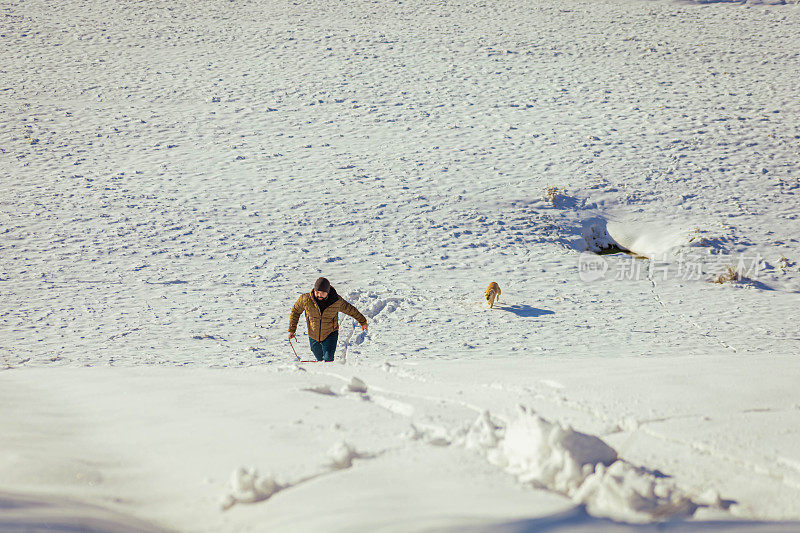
<point>175,175</point>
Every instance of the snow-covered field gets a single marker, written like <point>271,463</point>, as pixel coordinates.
<point>174,175</point>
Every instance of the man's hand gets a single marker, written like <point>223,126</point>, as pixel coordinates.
<point>291,335</point>
<point>364,327</point>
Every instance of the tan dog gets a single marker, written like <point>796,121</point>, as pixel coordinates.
<point>492,293</point>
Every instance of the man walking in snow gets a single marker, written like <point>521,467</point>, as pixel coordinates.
<point>322,307</point>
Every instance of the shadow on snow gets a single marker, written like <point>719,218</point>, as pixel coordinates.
<point>525,310</point>
<point>577,520</point>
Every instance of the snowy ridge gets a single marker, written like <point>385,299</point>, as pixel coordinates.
<point>581,466</point>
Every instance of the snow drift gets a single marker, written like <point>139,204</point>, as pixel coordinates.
<point>581,466</point>
<point>248,486</point>
<point>646,240</point>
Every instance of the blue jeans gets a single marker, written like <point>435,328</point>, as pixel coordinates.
<point>324,350</point>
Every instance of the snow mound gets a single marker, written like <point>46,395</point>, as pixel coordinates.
<point>649,240</point>
<point>356,385</point>
<point>653,240</point>
<point>546,454</point>
<point>581,466</point>
<point>557,457</point>
<point>247,486</point>
<point>629,493</point>
<point>341,455</point>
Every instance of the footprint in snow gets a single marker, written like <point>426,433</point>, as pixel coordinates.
<point>372,304</point>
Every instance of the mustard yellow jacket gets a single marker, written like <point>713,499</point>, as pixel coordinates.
<point>320,325</point>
